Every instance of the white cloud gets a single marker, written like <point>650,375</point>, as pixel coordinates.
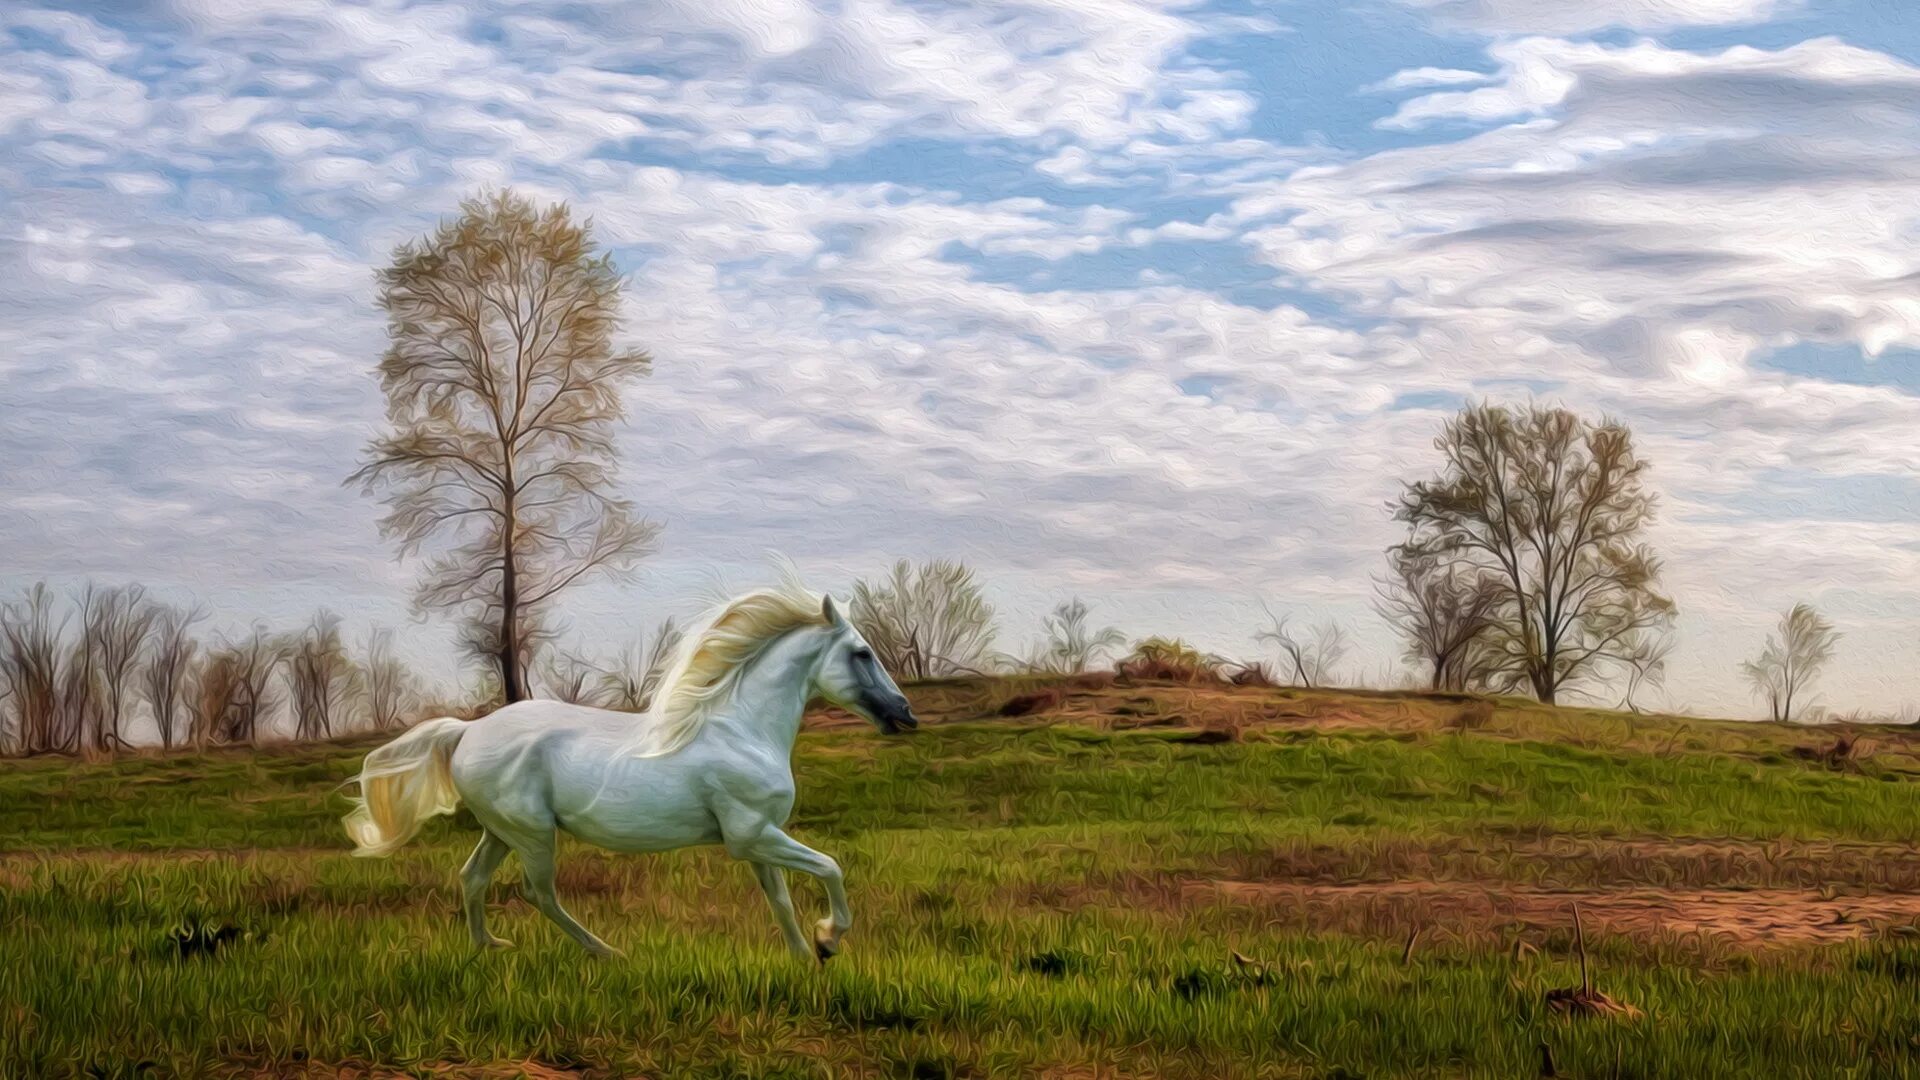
<point>1421,77</point>
<point>1576,16</point>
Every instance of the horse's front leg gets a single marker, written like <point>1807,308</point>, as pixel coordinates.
<point>769,845</point>
<point>773,882</point>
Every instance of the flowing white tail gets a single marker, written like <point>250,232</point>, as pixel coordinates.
<point>404,783</point>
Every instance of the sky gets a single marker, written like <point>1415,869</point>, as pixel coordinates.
<point>1152,302</point>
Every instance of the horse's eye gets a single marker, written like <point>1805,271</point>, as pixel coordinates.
<point>863,653</point>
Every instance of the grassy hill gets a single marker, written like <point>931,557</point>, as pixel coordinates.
<point>1145,880</point>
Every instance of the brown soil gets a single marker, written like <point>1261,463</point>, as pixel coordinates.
<point>1749,918</point>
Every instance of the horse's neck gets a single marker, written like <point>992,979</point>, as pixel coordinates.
<point>773,691</point>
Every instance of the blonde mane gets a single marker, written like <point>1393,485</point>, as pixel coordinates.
<point>707,666</point>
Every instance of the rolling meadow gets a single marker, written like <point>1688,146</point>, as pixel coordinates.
<point>1055,877</point>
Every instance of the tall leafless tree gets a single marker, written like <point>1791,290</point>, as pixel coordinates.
<point>503,390</point>
<point>33,667</point>
<point>391,693</point>
<point>926,622</point>
<point>1785,670</point>
<point>233,690</point>
<point>323,678</point>
<point>117,622</point>
<point>1444,611</point>
<point>80,681</point>
<point>1553,508</point>
<point>1309,658</point>
<point>169,664</point>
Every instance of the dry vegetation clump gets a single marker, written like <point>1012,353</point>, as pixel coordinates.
<point>1845,752</point>
<point>1168,660</point>
<point>1255,673</point>
<point>1584,1000</point>
<point>1472,715</point>
<point>1036,702</point>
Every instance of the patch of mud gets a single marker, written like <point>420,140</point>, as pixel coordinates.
<point>1756,918</point>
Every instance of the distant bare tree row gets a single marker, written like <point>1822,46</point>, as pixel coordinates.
<point>79,676</point>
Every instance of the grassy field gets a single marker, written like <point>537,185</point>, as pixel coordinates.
<point>1127,881</point>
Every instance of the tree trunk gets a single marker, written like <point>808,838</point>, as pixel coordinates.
<point>1544,687</point>
<point>510,636</point>
<point>510,675</point>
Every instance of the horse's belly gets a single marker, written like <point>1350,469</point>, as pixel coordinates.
<point>639,804</point>
<point>636,822</point>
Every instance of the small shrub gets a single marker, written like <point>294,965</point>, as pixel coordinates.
<point>1169,660</point>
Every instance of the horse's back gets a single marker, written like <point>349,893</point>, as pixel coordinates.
<point>506,758</point>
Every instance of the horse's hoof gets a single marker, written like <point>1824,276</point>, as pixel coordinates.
<point>824,947</point>
<point>607,952</point>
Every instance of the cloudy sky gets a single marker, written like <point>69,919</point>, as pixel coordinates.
<point>1151,301</point>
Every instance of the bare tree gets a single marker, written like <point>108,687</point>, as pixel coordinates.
<point>926,622</point>
<point>1071,645</point>
<point>391,692</point>
<point>1552,507</point>
<point>80,712</point>
<point>323,678</point>
<point>503,390</point>
<point>33,668</point>
<point>1791,662</point>
<point>117,622</point>
<point>1444,610</point>
<point>1644,658</point>
<point>233,690</point>
<point>1311,657</point>
<point>632,683</point>
<point>569,678</point>
<point>169,664</point>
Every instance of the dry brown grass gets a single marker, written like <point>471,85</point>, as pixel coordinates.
<point>1106,701</point>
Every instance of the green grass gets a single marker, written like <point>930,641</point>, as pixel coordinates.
<point>1026,903</point>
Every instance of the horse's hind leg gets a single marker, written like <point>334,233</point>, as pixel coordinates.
<point>474,878</point>
<point>536,866</point>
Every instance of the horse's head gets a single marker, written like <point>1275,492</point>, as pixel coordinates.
<point>851,677</point>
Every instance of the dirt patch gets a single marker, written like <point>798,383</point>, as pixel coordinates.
<point>356,1070</point>
<point>1749,918</point>
<point>1557,862</point>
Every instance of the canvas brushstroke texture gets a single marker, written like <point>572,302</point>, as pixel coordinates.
<point>1341,483</point>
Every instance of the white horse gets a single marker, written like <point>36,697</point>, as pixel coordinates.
<point>709,763</point>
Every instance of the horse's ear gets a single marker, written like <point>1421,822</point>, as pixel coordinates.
<point>829,612</point>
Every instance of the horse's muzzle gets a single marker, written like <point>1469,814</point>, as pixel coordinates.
<point>896,717</point>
